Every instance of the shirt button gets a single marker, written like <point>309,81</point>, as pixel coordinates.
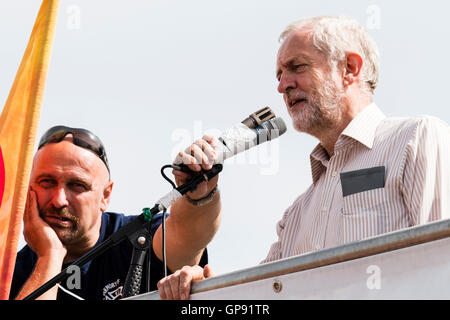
<point>318,247</point>
<point>324,209</point>
<point>334,174</point>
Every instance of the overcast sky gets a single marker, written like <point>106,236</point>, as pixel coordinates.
<point>151,76</point>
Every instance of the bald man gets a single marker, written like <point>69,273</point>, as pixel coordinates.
<point>65,217</point>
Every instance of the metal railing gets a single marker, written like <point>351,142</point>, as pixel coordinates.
<point>355,250</point>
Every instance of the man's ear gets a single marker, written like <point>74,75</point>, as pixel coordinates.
<point>106,196</point>
<point>353,66</point>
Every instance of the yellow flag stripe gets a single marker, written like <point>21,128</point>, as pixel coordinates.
<point>18,126</point>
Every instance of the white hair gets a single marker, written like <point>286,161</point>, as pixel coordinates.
<point>334,37</point>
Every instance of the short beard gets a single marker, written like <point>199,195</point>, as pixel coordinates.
<point>323,109</point>
<point>67,236</point>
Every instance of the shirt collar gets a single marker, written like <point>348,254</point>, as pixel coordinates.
<point>364,126</point>
<point>361,129</point>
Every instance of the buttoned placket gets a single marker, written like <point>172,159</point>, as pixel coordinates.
<point>331,191</point>
<point>326,176</point>
<point>335,193</point>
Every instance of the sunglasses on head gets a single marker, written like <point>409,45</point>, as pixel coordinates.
<point>81,137</point>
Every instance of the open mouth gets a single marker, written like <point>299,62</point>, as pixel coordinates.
<point>293,103</point>
<point>59,221</point>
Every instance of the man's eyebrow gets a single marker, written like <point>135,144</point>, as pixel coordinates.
<point>298,58</point>
<point>45,175</point>
<point>77,179</point>
<point>70,180</point>
<point>292,61</point>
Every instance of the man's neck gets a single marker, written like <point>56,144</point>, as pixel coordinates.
<point>329,136</point>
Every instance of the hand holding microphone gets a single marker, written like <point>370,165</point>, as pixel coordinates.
<point>259,127</point>
<point>198,157</point>
<point>198,165</point>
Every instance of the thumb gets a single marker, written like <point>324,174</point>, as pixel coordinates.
<point>207,272</point>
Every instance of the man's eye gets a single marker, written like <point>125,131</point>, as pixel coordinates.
<point>47,183</point>
<point>300,67</point>
<point>78,187</point>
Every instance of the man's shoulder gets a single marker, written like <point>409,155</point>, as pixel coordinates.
<point>26,255</point>
<point>25,262</point>
<point>405,123</point>
<point>113,221</point>
<point>114,218</point>
<point>407,128</point>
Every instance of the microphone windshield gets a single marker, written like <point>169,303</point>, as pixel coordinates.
<point>240,137</point>
<point>273,128</point>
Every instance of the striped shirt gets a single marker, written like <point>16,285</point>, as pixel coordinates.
<point>407,184</point>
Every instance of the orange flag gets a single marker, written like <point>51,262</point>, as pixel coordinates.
<point>18,126</point>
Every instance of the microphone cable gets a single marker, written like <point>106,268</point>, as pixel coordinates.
<point>164,217</point>
<point>164,241</point>
<point>166,177</point>
<point>174,186</point>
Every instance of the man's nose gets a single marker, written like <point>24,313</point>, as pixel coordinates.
<point>59,198</point>
<point>286,83</point>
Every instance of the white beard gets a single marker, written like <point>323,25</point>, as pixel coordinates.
<point>322,109</point>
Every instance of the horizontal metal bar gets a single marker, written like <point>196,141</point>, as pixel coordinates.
<point>355,250</point>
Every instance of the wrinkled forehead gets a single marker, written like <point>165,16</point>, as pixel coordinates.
<point>65,157</point>
<point>298,48</point>
<point>297,42</point>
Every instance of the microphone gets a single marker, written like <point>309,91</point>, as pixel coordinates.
<point>259,127</point>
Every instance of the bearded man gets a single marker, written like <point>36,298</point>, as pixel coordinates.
<point>371,174</point>
<point>66,217</point>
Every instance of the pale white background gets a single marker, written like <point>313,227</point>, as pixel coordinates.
<point>150,76</point>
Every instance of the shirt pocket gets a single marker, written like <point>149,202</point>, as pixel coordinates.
<point>363,215</point>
